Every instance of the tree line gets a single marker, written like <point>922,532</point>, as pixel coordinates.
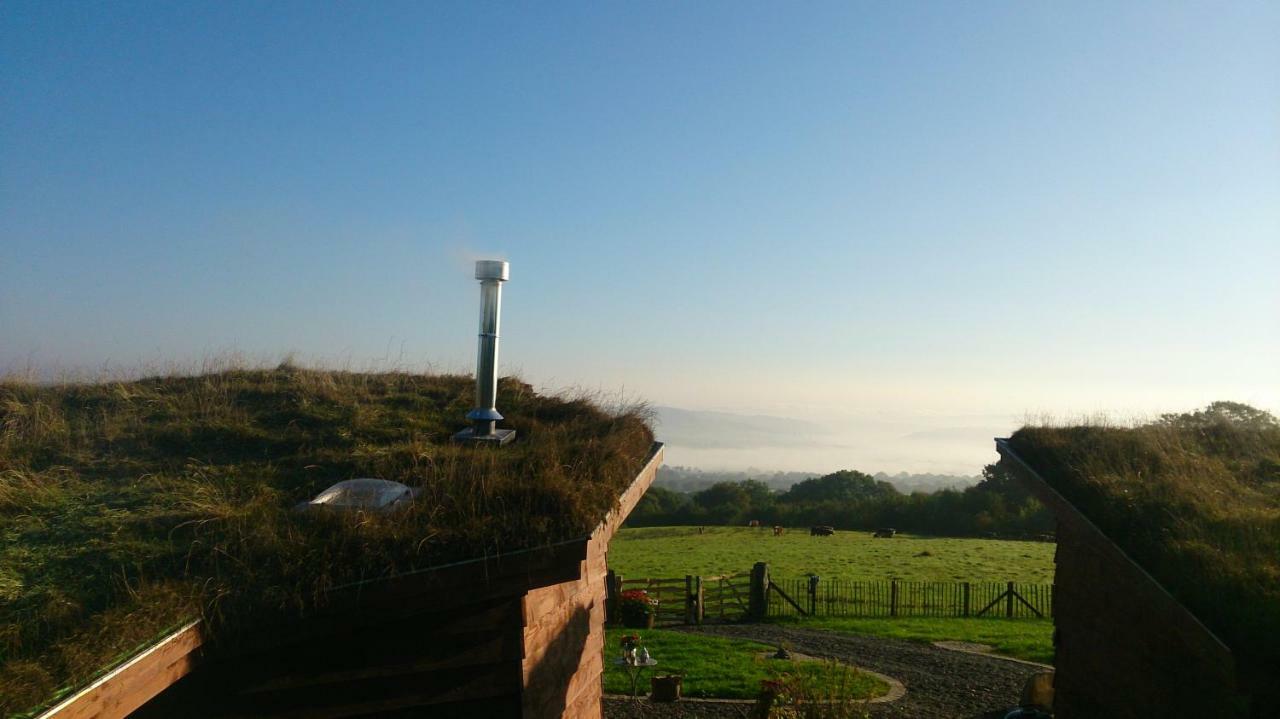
<point>853,500</point>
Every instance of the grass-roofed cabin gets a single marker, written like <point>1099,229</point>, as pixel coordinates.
<point>1167,595</point>
<point>152,563</point>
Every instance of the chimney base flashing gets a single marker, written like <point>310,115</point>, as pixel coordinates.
<point>497,439</point>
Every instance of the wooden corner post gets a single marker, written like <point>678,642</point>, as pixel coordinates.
<point>612,597</point>
<point>690,601</point>
<point>758,597</point>
<point>700,591</point>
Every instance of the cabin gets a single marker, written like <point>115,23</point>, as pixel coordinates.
<point>515,628</point>
<point>517,634</point>
<point>1143,625</point>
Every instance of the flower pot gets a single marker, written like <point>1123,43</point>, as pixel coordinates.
<point>665,688</point>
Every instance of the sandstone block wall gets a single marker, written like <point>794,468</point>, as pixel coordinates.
<point>564,626</point>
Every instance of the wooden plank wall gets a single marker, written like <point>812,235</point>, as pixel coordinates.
<point>448,663</point>
<point>1124,646</point>
<point>564,624</point>
<point>1124,650</point>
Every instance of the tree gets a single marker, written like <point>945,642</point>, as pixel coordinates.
<point>723,502</point>
<point>997,480</point>
<point>760,498</point>
<point>1236,414</point>
<point>845,485</point>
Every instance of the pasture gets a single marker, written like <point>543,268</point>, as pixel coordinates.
<point>848,555</point>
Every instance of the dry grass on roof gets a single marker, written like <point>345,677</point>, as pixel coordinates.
<point>128,507</point>
<point>1194,499</point>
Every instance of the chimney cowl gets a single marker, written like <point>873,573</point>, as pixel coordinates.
<point>493,270</point>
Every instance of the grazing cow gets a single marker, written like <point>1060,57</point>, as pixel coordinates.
<point>885,532</point>
<point>753,523</point>
<point>777,531</point>
<point>821,531</point>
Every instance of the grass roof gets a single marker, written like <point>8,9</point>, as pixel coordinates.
<point>1195,499</point>
<point>129,507</point>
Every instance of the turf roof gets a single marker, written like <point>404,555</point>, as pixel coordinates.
<point>129,507</point>
<point>1194,499</point>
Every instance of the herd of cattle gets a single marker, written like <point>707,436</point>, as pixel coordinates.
<point>825,530</point>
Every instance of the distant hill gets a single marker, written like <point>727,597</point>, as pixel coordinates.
<point>690,479</point>
<point>907,483</point>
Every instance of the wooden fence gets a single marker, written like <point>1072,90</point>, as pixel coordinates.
<point>897,598</point>
<point>671,594</point>
<point>755,595</point>
<point>725,597</point>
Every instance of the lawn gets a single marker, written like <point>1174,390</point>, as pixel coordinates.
<point>677,551</point>
<point>725,668</point>
<point>1030,639</point>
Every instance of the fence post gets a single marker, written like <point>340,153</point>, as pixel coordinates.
<point>1008,607</point>
<point>758,596</point>
<point>813,595</point>
<point>612,591</point>
<point>966,599</point>
<point>699,596</point>
<point>893,598</point>
<point>689,600</point>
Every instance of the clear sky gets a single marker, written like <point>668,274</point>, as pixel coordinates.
<point>814,210</point>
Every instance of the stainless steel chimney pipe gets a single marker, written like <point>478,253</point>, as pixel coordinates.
<point>484,418</point>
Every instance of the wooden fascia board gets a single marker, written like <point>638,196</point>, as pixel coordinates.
<point>135,682</point>
<point>630,496</point>
<point>1065,511</point>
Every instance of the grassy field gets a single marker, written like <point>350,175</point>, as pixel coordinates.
<point>677,551</point>
<point>725,668</point>
<point>1030,639</point>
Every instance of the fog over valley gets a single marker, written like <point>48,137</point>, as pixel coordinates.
<point>930,444</point>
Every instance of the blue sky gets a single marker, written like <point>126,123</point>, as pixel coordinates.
<point>824,210</point>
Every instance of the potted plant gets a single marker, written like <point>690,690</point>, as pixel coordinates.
<point>665,688</point>
<point>630,643</point>
<point>638,609</point>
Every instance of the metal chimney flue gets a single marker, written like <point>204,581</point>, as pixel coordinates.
<point>484,418</point>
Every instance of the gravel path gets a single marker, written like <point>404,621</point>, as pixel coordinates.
<point>940,683</point>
